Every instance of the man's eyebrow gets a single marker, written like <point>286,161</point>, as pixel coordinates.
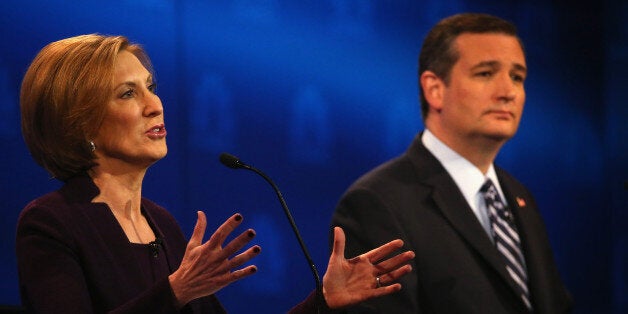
<point>496,64</point>
<point>520,67</point>
<point>492,64</point>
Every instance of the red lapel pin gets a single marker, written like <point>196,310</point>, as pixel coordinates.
<point>521,202</point>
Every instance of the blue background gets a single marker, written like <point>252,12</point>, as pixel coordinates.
<point>317,92</point>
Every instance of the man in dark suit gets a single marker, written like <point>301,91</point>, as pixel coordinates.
<point>480,243</point>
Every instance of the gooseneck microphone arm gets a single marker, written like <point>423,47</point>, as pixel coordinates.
<point>235,163</point>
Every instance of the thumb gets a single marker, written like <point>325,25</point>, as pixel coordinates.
<point>338,249</point>
<point>199,230</point>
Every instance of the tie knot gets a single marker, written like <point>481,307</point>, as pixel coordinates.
<point>487,187</point>
<point>489,192</point>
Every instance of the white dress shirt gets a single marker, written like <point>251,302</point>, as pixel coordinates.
<point>468,177</point>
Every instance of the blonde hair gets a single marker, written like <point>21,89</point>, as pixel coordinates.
<point>64,96</point>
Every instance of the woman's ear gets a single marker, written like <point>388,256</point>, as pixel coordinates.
<point>433,88</point>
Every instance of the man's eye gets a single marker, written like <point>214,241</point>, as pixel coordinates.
<point>484,74</point>
<point>152,88</point>
<point>518,78</point>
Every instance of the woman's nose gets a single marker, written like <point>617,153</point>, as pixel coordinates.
<point>153,105</point>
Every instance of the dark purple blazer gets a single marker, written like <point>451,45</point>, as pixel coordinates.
<point>74,257</point>
<point>456,269</point>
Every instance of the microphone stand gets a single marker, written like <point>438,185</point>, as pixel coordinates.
<point>235,163</point>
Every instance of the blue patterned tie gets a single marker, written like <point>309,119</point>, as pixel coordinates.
<point>506,238</point>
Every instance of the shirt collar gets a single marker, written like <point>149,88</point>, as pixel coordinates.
<point>467,176</point>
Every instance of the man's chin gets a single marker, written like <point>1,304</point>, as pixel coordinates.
<point>502,132</point>
<point>499,136</point>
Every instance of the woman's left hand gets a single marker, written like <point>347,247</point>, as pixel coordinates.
<point>348,282</point>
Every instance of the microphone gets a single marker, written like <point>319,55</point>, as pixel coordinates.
<point>155,246</point>
<point>235,163</point>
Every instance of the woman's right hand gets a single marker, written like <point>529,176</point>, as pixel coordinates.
<point>207,267</point>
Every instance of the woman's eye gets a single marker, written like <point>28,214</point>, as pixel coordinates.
<point>128,94</point>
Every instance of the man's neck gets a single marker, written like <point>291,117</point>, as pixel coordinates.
<point>480,151</point>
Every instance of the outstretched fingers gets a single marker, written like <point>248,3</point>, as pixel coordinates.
<point>208,267</point>
<point>388,270</point>
<point>395,262</point>
<point>237,244</point>
<point>393,275</point>
<point>394,268</point>
<point>384,290</point>
<point>381,252</point>
<point>218,237</point>
<point>244,272</point>
<point>215,244</point>
<point>229,277</point>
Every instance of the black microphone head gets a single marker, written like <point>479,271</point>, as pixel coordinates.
<point>231,161</point>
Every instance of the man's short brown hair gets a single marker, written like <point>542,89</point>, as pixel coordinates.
<point>438,54</point>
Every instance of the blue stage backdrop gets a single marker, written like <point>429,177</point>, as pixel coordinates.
<point>317,92</point>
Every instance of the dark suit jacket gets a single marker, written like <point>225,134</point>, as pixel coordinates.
<point>457,269</point>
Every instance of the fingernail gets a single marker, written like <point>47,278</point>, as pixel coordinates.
<point>251,233</point>
<point>238,217</point>
<point>256,249</point>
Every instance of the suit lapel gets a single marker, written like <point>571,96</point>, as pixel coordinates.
<point>173,254</point>
<point>454,207</point>
<point>121,254</point>
<point>106,230</point>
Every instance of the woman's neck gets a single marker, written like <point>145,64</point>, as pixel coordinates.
<point>123,195</point>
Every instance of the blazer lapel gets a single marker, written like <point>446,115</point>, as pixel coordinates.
<point>121,255</point>
<point>173,254</point>
<point>452,204</point>
<point>106,230</point>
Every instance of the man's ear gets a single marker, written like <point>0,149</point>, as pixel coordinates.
<point>433,89</point>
